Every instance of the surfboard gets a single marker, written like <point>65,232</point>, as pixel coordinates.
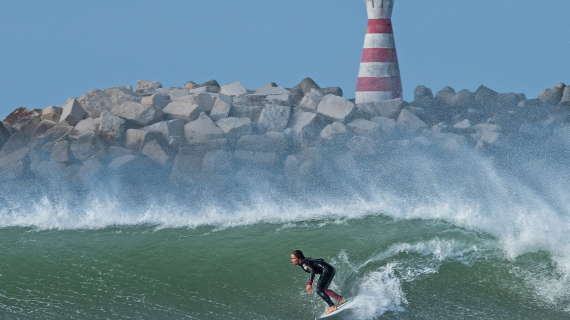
<point>337,311</point>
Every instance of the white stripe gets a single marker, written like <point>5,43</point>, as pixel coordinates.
<point>372,96</point>
<point>379,69</point>
<point>382,9</point>
<point>379,40</point>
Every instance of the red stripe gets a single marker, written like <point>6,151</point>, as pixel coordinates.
<point>392,84</point>
<point>379,55</point>
<point>379,26</point>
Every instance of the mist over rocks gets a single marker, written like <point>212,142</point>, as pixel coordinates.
<point>219,137</point>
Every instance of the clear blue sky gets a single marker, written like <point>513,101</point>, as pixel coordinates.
<point>52,50</point>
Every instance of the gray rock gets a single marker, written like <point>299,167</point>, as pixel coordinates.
<point>366,111</point>
<point>463,98</point>
<point>136,139</point>
<point>52,113</point>
<point>306,85</point>
<point>72,113</point>
<point>189,108</point>
<point>42,128</point>
<point>202,130</point>
<point>336,108</point>
<point>387,125</point>
<point>96,101</point>
<point>560,85</point>
<point>311,100</point>
<point>54,134</point>
<point>390,108</point>
<point>158,151</point>
<point>27,126</point>
<point>131,164</point>
<point>409,121</point>
<point>178,93</point>
<point>256,157</point>
<point>233,89</point>
<point>4,135</point>
<point>485,97</point>
<point>270,142</point>
<point>88,124</point>
<point>336,133</point>
<point>363,146</point>
<point>235,128</point>
<point>61,152</point>
<point>337,91</point>
<point>115,152</point>
<point>551,96</point>
<point>306,126</point>
<point>16,142</point>
<point>221,108</point>
<point>142,114</point>
<point>87,145</point>
<point>274,117</point>
<point>157,100</point>
<point>566,95</point>
<point>13,165</point>
<point>365,128</point>
<point>508,100</point>
<point>462,125</point>
<point>208,89</point>
<point>486,133</point>
<point>422,94</point>
<point>168,129</point>
<point>90,169</point>
<point>112,128</point>
<point>218,161</point>
<point>446,96</point>
<point>149,84</point>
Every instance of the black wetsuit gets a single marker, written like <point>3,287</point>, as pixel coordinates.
<point>319,266</point>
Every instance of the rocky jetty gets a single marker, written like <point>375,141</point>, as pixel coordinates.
<point>207,134</point>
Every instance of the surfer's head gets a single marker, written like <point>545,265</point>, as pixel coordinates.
<point>296,257</point>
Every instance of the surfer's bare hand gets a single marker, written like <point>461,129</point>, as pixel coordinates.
<point>309,289</point>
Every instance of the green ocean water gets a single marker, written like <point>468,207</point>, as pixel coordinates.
<point>393,268</point>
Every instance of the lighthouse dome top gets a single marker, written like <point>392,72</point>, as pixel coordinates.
<point>379,9</point>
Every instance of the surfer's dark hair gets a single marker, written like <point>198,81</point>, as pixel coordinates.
<point>299,254</point>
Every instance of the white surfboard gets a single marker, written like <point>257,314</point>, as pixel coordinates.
<point>337,311</point>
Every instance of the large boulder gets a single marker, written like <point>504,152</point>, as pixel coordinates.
<point>87,145</point>
<point>270,91</point>
<point>336,133</point>
<point>221,108</point>
<point>157,100</point>
<point>135,139</point>
<point>365,128</point>
<point>446,96</point>
<point>132,165</point>
<point>177,93</point>
<point>249,106</point>
<point>235,128</point>
<point>408,121</point>
<point>61,152</point>
<point>52,113</point>
<point>142,114</point>
<point>256,158</point>
<point>363,146</point>
<point>96,101</point>
<point>14,165</point>
<point>233,89</point>
<point>486,134</point>
<point>88,124</point>
<point>16,142</point>
<point>159,151</point>
<point>270,142</point>
<point>112,128</point>
<point>189,108</point>
<point>4,135</point>
<point>311,100</point>
<point>566,95</point>
<point>551,96</point>
<point>423,95</point>
<point>390,108</point>
<point>202,130</point>
<point>19,115</point>
<point>306,127</point>
<point>168,129</point>
<point>485,97</point>
<point>336,108</point>
<point>148,84</point>
<point>301,89</point>
<point>274,117</point>
<point>337,91</point>
<point>185,168</point>
<point>72,113</point>
<point>387,125</point>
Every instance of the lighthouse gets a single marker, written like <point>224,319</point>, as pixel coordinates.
<point>379,75</point>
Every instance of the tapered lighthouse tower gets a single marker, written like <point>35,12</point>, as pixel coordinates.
<point>379,75</point>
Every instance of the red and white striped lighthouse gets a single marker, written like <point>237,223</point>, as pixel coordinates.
<point>379,75</point>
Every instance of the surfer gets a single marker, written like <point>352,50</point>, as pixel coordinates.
<point>318,266</point>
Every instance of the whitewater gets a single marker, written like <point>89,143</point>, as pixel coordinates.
<point>430,233</point>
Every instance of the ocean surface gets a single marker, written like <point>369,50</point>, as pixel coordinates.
<point>440,237</point>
